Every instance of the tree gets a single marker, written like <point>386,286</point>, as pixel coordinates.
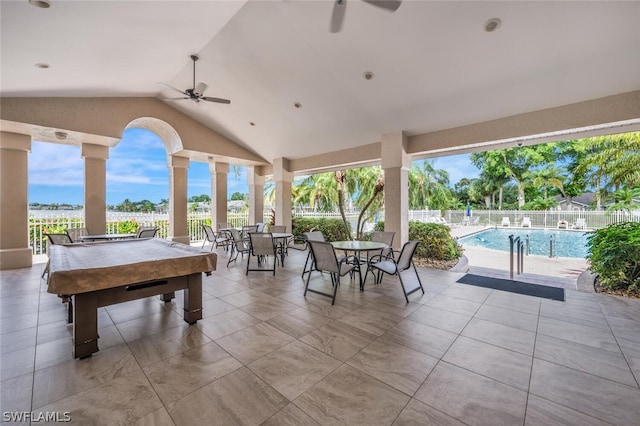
<point>202,198</point>
<point>428,187</point>
<point>238,196</point>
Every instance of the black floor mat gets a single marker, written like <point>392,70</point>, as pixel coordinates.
<point>536,290</point>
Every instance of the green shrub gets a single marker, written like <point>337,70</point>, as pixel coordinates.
<point>614,255</point>
<point>437,242</point>
<point>332,229</point>
<point>128,227</point>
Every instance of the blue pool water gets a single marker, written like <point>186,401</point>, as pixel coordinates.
<point>567,243</point>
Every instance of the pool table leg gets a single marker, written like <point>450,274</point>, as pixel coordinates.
<point>85,325</point>
<point>193,299</point>
<point>168,297</point>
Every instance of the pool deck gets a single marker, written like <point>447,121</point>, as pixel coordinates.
<point>557,272</point>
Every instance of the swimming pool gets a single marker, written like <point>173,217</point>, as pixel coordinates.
<point>567,243</point>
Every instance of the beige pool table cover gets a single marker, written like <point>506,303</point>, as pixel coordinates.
<point>81,268</point>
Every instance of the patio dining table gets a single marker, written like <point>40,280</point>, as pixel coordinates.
<point>358,247</point>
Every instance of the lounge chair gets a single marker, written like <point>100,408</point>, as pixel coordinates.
<point>506,221</point>
<point>563,224</point>
<point>581,223</point>
<point>526,222</point>
<point>147,232</point>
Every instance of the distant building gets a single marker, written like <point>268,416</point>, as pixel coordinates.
<point>584,201</point>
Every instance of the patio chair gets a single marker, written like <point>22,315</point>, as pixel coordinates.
<point>563,224</point>
<point>385,237</point>
<point>217,239</point>
<point>246,229</point>
<point>581,223</point>
<point>262,246</point>
<point>224,225</point>
<point>526,222</point>
<point>76,233</point>
<point>277,228</point>
<point>506,221</point>
<point>238,246</point>
<point>325,259</point>
<point>401,268</point>
<point>260,226</point>
<point>311,236</point>
<point>147,232</point>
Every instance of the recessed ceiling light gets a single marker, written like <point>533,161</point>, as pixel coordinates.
<point>297,105</point>
<point>61,135</point>
<point>368,75</point>
<point>43,66</point>
<point>492,25</point>
<point>252,123</point>
<point>42,4</point>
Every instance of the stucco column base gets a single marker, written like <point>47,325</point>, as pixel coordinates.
<point>182,239</point>
<point>15,258</point>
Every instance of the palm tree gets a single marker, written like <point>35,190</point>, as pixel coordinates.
<point>428,187</point>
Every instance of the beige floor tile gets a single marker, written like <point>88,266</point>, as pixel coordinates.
<point>294,368</point>
<point>598,362</point>
<point>348,396</point>
<point>165,344</point>
<point>542,412</point>
<point>15,394</point>
<point>595,337</point>
<point>17,363</point>
<point>152,324</point>
<point>416,413</point>
<point>239,398</point>
<point>54,352</point>
<point>472,398</point>
<point>175,377</point>
<point>159,417</point>
<point>374,322</point>
<point>68,378</point>
<point>403,368</point>
<point>466,292</point>
<point>440,318</point>
<point>423,338</point>
<point>254,342</point>
<point>268,308</point>
<point>299,322</point>
<point>597,397</point>
<point>290,416</point>
<point>501,335</point>
<point>339,340</point>
<point>508,367</point>
<point>508,317</point>
<point>454,304</point>
<point>226,323</point>
<point>515,302</point>
<point>120,401</point>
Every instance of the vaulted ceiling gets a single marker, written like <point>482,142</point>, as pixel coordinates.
<point>434,65</point>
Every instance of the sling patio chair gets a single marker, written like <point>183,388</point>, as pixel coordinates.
<point>238,246</point>
<point>325,260</point>
<point>147,232</point>
<point>262,246</point>
<point>403,268</point>
<point>217,239</point>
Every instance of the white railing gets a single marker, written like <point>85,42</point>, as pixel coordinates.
<point>57,221</point>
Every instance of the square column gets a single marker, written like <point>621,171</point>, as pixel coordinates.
<point>14,205</point>
<point>178,226</point>
<point>256,196</point>
<point>396,163</point>
<point>219,173</point>
<point>283,179</point>
<point>95,187</point>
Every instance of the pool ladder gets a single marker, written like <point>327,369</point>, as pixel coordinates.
<point>519,246</point>
<point>552,246</point>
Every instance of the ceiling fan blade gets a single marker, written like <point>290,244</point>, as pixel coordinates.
<point>175,99</point>
<point>200,88</point>
<point>166,86</point>
<point>218,100</point>
<point>390,5</point>
<point>337,16</point>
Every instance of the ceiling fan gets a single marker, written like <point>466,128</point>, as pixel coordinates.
<point>196,93</point>
<point>340,6</point>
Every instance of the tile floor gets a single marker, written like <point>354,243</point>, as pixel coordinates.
<point>264,354</point>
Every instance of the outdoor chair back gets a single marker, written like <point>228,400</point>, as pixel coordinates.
<point>277,228</point>
<point>262,246</point>
<point>238,245</point>
<point>147,232</point>
<point>386,238</point>
<point>76,233</point>
<point>403,268</point>
<point>324,256</point>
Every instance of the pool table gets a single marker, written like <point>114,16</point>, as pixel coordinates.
<point>105,273</point>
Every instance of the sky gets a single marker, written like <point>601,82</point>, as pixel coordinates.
<point>137,170</point>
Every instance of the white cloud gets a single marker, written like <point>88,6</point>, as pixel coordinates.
<point>55,165</point>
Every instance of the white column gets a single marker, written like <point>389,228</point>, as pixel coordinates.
<point>283,179</point>
<point>178,227</point>
<point>95,187</point>
<point>14,205</point>
<point>396,163</point>
<point>256,195</point>
<point>219,173</point>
